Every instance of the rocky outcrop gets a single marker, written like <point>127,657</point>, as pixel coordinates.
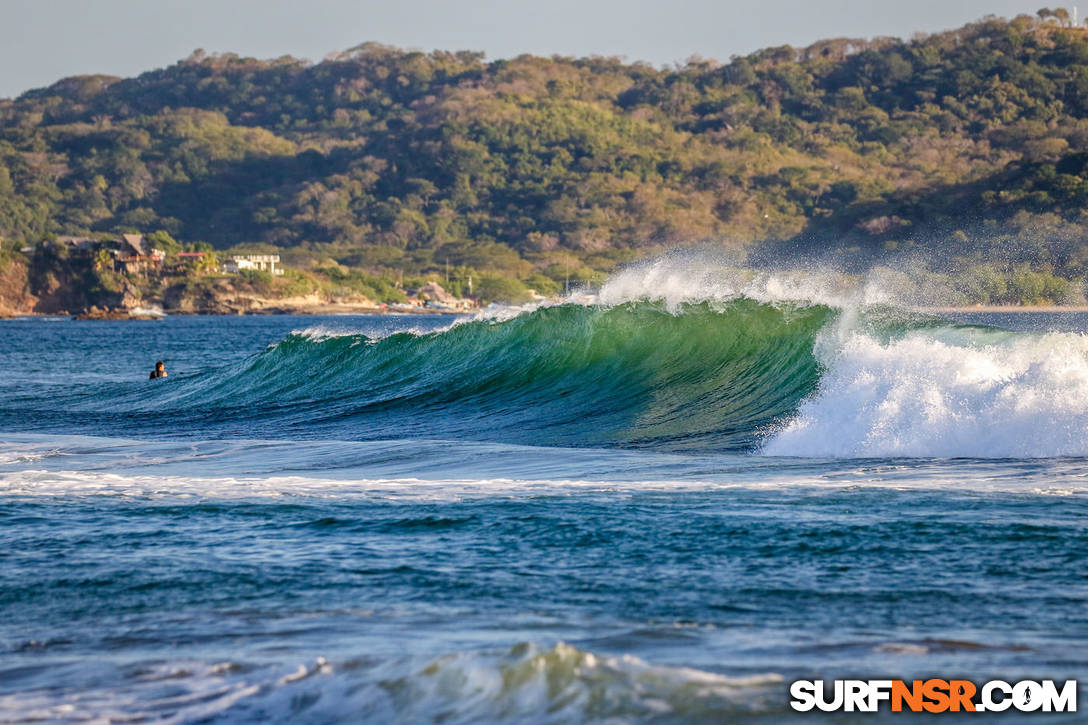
<point>15,295</point>
<point>59,285</point>
<point>63,282</point>
<point>98,314</point>
<point>434,291</point>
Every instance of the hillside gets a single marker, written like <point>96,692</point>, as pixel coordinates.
<point>966,146</point>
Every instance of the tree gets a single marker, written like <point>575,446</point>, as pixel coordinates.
<point>493,288</point>
<point>162,240</point>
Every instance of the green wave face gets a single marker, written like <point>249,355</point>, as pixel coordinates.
<point>712,376</point>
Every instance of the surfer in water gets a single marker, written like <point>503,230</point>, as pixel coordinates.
<point>158,372</point>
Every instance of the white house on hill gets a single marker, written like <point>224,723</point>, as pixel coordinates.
<point>255,262</point>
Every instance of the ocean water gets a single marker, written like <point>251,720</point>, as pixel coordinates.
<point>640,509</point>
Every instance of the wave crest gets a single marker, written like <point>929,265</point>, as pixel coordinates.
<point>709,375</point>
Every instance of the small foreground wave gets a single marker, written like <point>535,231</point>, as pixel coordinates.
<point>556,684</point>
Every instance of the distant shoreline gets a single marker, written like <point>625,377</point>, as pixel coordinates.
<point>1007,308</point>
<point>315,311</point>
<point>332,310</point>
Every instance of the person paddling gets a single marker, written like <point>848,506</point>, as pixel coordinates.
<point>158,372</point>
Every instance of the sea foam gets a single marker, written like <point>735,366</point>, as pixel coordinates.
<point>1024,397</point>
<point>557,684</point>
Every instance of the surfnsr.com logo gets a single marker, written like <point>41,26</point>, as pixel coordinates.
<point>933,695</point>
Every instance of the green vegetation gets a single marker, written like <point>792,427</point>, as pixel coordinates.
<point>354,281</point>
<point>379,168</point>
<point>502,289</point>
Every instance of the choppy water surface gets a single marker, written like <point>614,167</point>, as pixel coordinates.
<point>649,511</point>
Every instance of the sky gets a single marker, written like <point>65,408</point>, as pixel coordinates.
<point>42,41</point>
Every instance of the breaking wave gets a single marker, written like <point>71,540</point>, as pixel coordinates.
<point>667,357</point>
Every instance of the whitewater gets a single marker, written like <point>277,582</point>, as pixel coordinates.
<point>661,502</point>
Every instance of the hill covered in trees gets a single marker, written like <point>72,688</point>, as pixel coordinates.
<point>964,147</point>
